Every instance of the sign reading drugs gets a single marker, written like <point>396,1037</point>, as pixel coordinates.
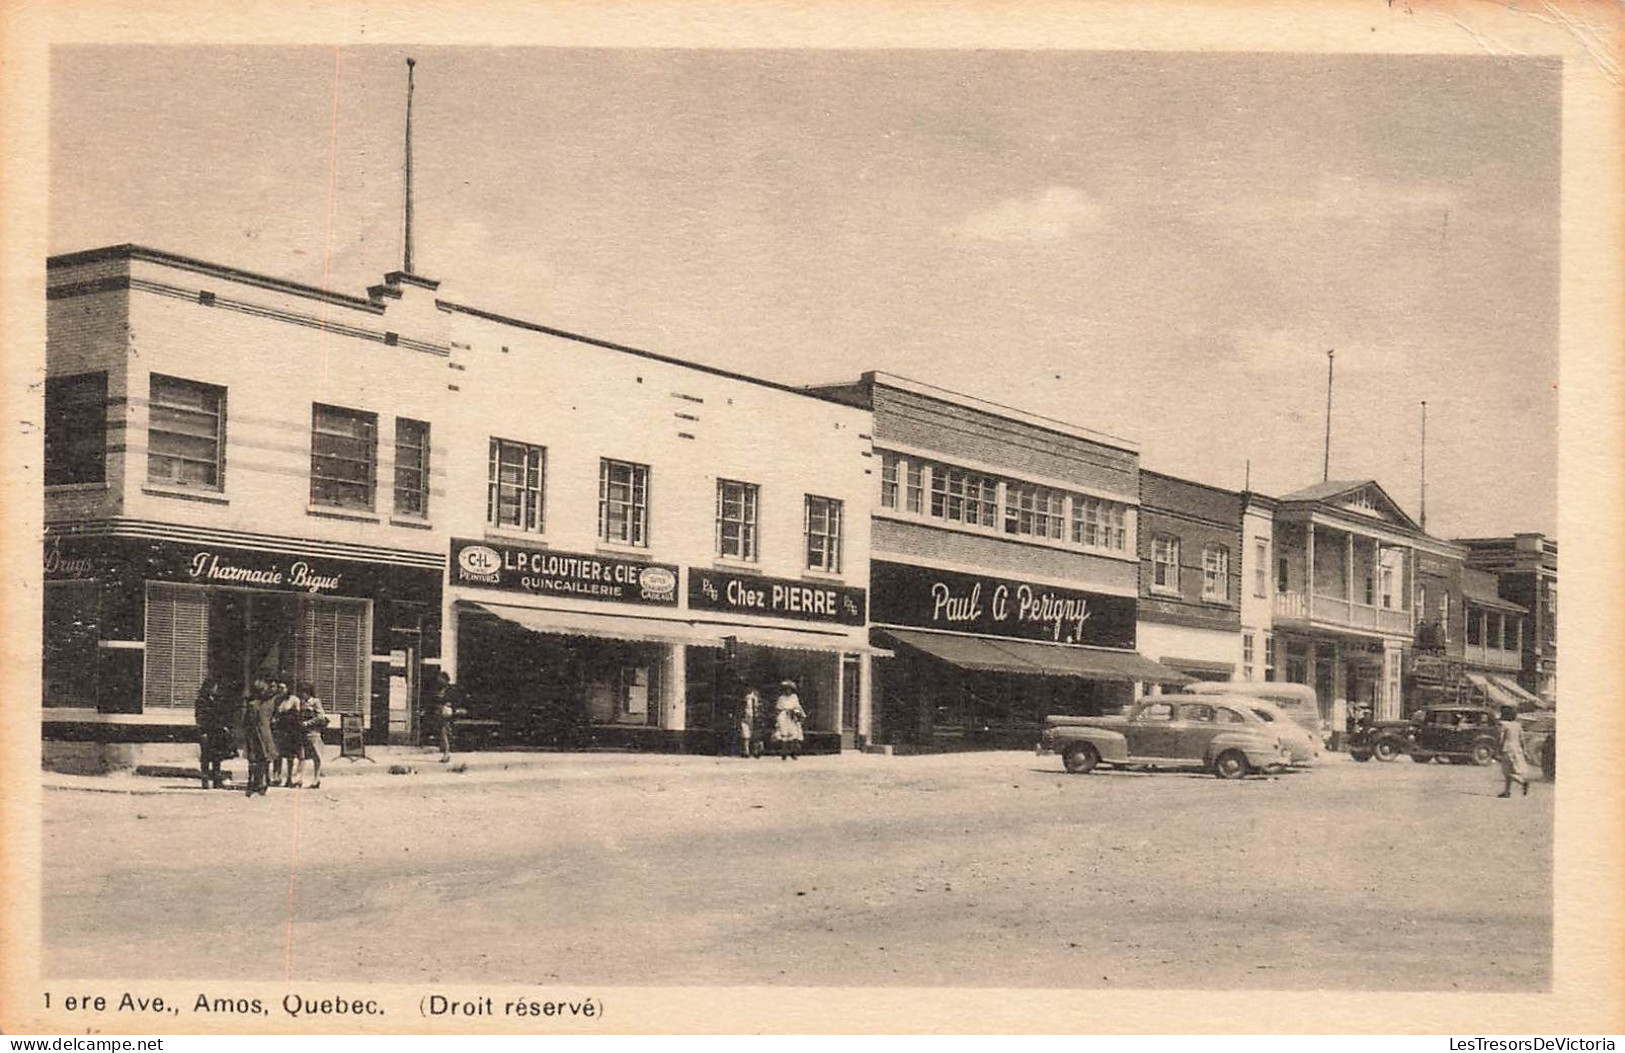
<point>811,601</point>
<point>544,572</point>
<point>975,603</point>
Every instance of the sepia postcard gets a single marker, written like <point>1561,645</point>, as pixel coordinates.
<point>812,518</point>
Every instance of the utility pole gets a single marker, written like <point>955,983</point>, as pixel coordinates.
<point>1326,465</point>
<point>406,262</point>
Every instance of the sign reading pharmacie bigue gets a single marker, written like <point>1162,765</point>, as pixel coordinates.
<point>547,572</point>
<point>810,601</point>
<point>990,606</point>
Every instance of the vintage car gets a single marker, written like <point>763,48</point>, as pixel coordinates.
<point>1297,700</point>
<point>1172,731</point>
<point>1302,744</point>
<point>1462,733</point>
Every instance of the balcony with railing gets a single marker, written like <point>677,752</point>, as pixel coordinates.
<point>1336,612</point>
<point>1491,657</point>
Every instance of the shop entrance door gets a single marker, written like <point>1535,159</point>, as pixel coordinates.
<point>851,692</point>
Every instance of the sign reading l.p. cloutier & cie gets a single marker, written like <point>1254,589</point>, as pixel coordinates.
<point>544,572</point>
<point>977,603</point>
<point>812,601</point>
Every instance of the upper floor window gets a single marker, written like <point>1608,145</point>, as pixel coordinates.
<point>517,486</point>
<point>736,519</point>
<point>186,428</point>
<point>1247,656</point>
<point>889,464</point>
<point>914,493</point>
<point>1034,511</point>
<point>76,429</point>
<point>1421,600</point>
<point>1269,656</point>
<point>1281,579</point>
<point>1261,568</point>
<point>1099,524</point>
<point>343,457</point>
<point>823,527</point>
<point>1215,573</point>
<point>1165,563</point>
<point>964,497</point>
<point>411,467</point>
<point>1444,614</point>
<point>1387,585</point>
<point>623,502</point>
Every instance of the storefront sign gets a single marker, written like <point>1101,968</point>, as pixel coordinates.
<point>60,565</point>
<point>974,603</point>
<point>543,572</point>
<point>208,568</point>
<point>717,590</point>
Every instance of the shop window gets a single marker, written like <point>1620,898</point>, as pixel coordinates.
<point>518,481</point>
<point>888,480</point>
<point>343,457</point>
<point>76,429</point>
<point>1261,568</point>
<point>623,502</point>
<point>1033,511</point>
<point>823,529</point>
<point>70,633</point>
<point>1269,656</point>
<point>1247,655</point>
<point>411,468</point>
<point>177,651</point>
<point>959,496</point>
<point>736,519</point>
<point>1215,573</point>
<point>330,651</point>
<point>915,487</point>
<point>186,428</point>
<point>1165,563</point>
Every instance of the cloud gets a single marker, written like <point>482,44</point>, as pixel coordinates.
<point>1051,215</point>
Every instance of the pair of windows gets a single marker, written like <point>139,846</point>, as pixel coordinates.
<point>1165,568</point>
<point>738,506</point>
<point>516,493</point>
<point>344,461</point>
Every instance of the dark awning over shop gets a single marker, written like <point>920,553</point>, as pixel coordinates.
<point>1200,666</point>
<point>666,630</point>
<point>1035,659</point>
<point>1505,692</point>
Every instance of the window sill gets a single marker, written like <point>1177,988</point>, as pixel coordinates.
<point>213,497</point>
<point>822,576</point>
<point>1163,590</point>
<point>611,548</point>
<point>495,533</point>
<point>412,522</point>
<point>75,488</point>
<point>334,512</point>
<point>730,563</point>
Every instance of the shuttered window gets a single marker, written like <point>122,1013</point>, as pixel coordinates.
<point>72,610</point>
<point>328,651</point>
<point>177,644</point>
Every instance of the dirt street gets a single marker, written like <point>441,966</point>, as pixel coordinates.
<point>981,870</point>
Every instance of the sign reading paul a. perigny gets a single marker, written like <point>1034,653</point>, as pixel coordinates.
<point>810,601</point>
<point>995,606</point>
<point>545,572</point>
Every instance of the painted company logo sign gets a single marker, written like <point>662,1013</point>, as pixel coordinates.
<point>717,590</point>
<point>543,572</point>
<point>974,603</point>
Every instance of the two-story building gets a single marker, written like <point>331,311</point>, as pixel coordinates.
<point>1257,587</point>
<point>1004,568</point>
<point>1190,548</point>
<point>1525,566</point>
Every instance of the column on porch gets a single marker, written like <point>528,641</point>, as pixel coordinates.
<point>675,704</point>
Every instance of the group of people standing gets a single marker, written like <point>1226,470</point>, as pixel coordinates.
<point>787,716</point>
<point>278,726</point>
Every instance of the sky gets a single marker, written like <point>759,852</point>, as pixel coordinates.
<point>1159,245</point>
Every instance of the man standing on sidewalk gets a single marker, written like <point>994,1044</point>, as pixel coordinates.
<point>448,707</point>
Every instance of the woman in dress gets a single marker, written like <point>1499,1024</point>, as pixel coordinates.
<point>787,718</point>
<point>288,725</point>
<point>213,733</point>
<point>314,720</point>
<point>259,744</point>
<point>1514,766</point>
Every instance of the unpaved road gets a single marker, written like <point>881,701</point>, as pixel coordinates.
<point>983,870</point>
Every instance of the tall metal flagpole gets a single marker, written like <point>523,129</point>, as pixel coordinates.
<point>406,262</point>
<point>1326,466</point>
<point>1424,465</point>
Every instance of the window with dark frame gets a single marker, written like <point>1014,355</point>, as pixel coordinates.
<point>623,502</point>
<point>915,487</point>
<point>343,457</point>
<point>736,519</point>
<point>516,491</point>
<point>76,429</point>
<point>888,480</point>
<point>823,528</point>
<point>411,468</point>
<point>186,428</point>
<point>1165,563</point>
<point>1215,572</point>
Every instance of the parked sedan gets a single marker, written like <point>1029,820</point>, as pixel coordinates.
<point>1302,744</point>
<point>1219,735</point>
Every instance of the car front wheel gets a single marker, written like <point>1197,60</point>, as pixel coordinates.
<point>1386,750</point>
<point>1231,764</point>
<point>1483,754</point>
<point>1081,758</point>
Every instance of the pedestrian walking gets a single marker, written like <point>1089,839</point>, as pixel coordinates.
<point>787,718</point>
<point>287,725</point>
<point>750,708</point>
<point>313,719</point>
<point>259,744</point>
<point>1514,766</point>
<point>214,739</point>
<point>450,697</point>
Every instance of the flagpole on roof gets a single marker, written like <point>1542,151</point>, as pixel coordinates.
<point>1326,465</point>
<point>406,262</point>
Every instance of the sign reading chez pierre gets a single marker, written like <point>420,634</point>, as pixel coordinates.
<point>812,601</point>
<point>975,603</point>
<point>543,572</point>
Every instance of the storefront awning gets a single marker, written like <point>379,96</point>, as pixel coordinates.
<point>1504,692</point>
<point>1036,659</point>
<point>666,630</point>
<point>1526,700</point>
<point>1199,666</point>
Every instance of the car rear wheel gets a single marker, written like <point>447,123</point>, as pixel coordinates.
<point>1421,758</point>
<point>1231,764</point>
<point>1386,750</point>
<point>1483,753</point>
<point>1081,758</point>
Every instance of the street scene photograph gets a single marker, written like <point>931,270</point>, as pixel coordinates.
<point>801,518</point>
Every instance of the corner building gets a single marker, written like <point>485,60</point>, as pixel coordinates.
<point>1004,568</point>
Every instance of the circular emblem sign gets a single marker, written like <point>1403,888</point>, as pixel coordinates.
<point>657,579</point>
<point>477,560</point>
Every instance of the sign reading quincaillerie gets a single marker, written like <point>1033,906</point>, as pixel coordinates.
<point>543,572</point>
<point>812,601</point>
<point>975,603</point>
